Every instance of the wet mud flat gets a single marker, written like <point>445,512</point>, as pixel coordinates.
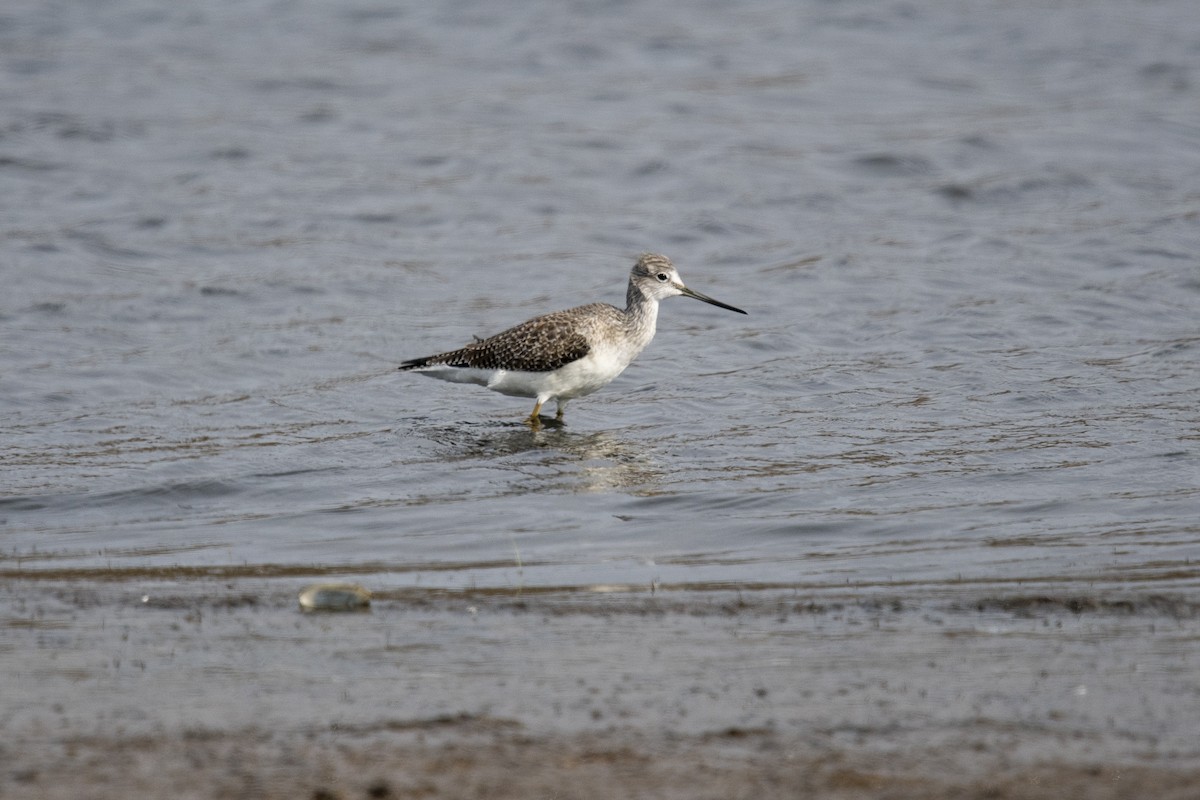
<point>218,687</point>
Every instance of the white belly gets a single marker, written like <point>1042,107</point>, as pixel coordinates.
<point>576,379</point>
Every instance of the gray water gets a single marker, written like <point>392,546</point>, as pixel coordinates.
<point>965,234</point>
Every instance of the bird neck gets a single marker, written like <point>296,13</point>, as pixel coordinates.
<point>641,311</point>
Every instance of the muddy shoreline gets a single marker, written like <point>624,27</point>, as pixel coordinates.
<point>480,758</point>
<point>224,688</point>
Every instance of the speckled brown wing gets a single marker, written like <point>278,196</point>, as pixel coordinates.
<point>542,344</point>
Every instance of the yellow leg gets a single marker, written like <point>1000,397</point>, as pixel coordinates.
<point>534,418</point>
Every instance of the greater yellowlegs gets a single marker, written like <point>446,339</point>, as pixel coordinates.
<point>566,354</point>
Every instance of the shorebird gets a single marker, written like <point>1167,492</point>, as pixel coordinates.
<point>566,354</point>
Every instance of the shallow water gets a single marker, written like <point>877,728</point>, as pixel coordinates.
<point>965,236</point>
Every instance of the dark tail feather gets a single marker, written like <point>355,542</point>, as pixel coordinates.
<point>413,363</point>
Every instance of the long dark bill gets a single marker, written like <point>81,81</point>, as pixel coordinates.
<point>693,293</point>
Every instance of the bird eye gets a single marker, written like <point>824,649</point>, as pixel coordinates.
<point>662,277</point>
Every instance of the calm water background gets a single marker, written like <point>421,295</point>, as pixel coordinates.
<point>966,236</point>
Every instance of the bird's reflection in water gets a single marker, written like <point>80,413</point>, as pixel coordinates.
<point>554,458</point>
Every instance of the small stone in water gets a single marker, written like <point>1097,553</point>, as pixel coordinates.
<point>335,597</point>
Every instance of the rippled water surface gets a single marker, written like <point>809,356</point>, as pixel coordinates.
<point>966,236</point>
